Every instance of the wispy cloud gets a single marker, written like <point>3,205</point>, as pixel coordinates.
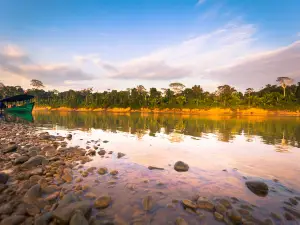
<point>200,2</point>
<point>16,62</point>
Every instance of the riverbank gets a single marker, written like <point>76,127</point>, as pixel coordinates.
<point>212,111</point>
<point>45,180</point>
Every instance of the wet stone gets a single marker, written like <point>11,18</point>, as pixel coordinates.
<point>189,204</point>
<point>258,187</point>
<point>102,170</point>
<point>102,202</point>
<point>218,216</point>
<point>181,166</point>
<point>204,203</point>
<point>147,203</point>
<point>180,221</point>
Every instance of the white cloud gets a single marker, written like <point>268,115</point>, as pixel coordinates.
<point>200,2</point>
<point>16,63</point>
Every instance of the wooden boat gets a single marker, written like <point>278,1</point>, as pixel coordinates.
<point>17,104</point>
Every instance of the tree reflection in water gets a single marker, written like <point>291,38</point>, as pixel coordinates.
<point>279,131</point>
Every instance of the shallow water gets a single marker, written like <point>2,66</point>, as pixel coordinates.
<point>222,152</point>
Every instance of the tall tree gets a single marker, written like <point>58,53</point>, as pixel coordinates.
<point>248,92</point>
<point>225,93</point>
<point>36,83</point>
<point>284,82</point>
<point>177,88</point>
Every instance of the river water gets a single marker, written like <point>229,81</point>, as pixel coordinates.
<point>223,152</point>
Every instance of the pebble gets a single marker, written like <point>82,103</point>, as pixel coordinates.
<point>102,170</point>
<point>102,202</point>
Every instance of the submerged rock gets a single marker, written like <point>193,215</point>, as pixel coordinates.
<point>258,187</point>
<point>102,202</point>
<point>181,221</point>
<point>147,203</point>
<point>102,170</point>
<point>181,166</point>
<point>189,204</point>
<point>102,152</point>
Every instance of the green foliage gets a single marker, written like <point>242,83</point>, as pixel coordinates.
<point>177,96</point>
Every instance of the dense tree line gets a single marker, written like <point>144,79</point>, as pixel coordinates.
<point>285,95</point>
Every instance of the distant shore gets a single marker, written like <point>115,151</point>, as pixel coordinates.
<point>212,111</point>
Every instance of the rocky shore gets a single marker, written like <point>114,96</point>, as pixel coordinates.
<point>42,181</point>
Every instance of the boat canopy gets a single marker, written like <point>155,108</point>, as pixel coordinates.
<point>17,98</point>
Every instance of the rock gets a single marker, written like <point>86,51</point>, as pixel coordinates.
<point>43,219</point>
<point>102,152</point>
<point>114,172</point>
<point>102,170</point>
<point>105,141</point>
<point>91,152</point>
<point>147,203</point>
<point>67,177</point>
<point>3,178</point>
<point>32,194</point>
<point>218,216</point>
<point>6,208</point>
<point>21,159</point>
<point>49,150</point>
<point>189,204</point>
<point>220,208</point>
<point>180,221</point>
<point>52,196</point>
<point>13,220</point>
<point>155,168</point>
<point>204,203</point>
<point>288,216</point>
<point>78,219</point>
<point>120,155</point>
<point>276,216</point>
<point>90,195</point>
<point>234,216</point>
<point>10,148</point>
<point>181,166</point>
<point>36,171</point>
<point>257,187</point>
<point>32,209</point>
<point>292,211</point>
<point>64,214</point>
<point>69,136</point>
<point>102,202</point>
<point>67,199</point>
<point>293,201</point>
<point>34,162</point>
<point>110,152</point>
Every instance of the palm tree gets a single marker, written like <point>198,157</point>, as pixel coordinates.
<point>249,91</point>
<point>284,82</point>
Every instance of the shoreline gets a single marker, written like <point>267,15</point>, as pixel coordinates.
<point>212,111</point>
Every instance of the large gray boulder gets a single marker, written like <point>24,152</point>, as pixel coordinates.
<point>35,161</point>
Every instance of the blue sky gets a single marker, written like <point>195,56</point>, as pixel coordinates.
<point>119,44</point>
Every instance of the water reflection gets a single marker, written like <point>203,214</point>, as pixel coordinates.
<point>281,132</point>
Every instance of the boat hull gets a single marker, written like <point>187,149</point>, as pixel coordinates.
<point>28,107</point>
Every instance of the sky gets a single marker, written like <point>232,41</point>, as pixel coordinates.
<point>118,44</point>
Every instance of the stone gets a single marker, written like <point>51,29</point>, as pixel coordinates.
<point>67,177</point>
<point>13,220</point>
<point>218,216</point>
<point>6,208</point>
<point>90,195</point>
<point>32,209</point>
<point>276,216</point>
<point>189,204</point>
<point>52,196</point>
<point>64,214</point>
<point>36,171</point>
<point>32,194</point>
<point>34,162</point>
<point>155,168</point>
<point>204,203</point>
<point>120,155</point>
<point>147,203</point>
<point>220,208</point>
<point>180,221</point>
<point>21,159</point>
<point>3,178</point>
<point>258,187</point>
<point>10,148</point>
<point>43,219</point>
<point>78,219</point>
<point>292,211</point>
<point>102,202</point>
<point>102,152</point>
<point>181,166</point>
<point>69,136</point>
<point>293,201</point>
<point>234,216</point>
<point>288,216</point>
<point>102,170</point>
<point>114,172</point>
